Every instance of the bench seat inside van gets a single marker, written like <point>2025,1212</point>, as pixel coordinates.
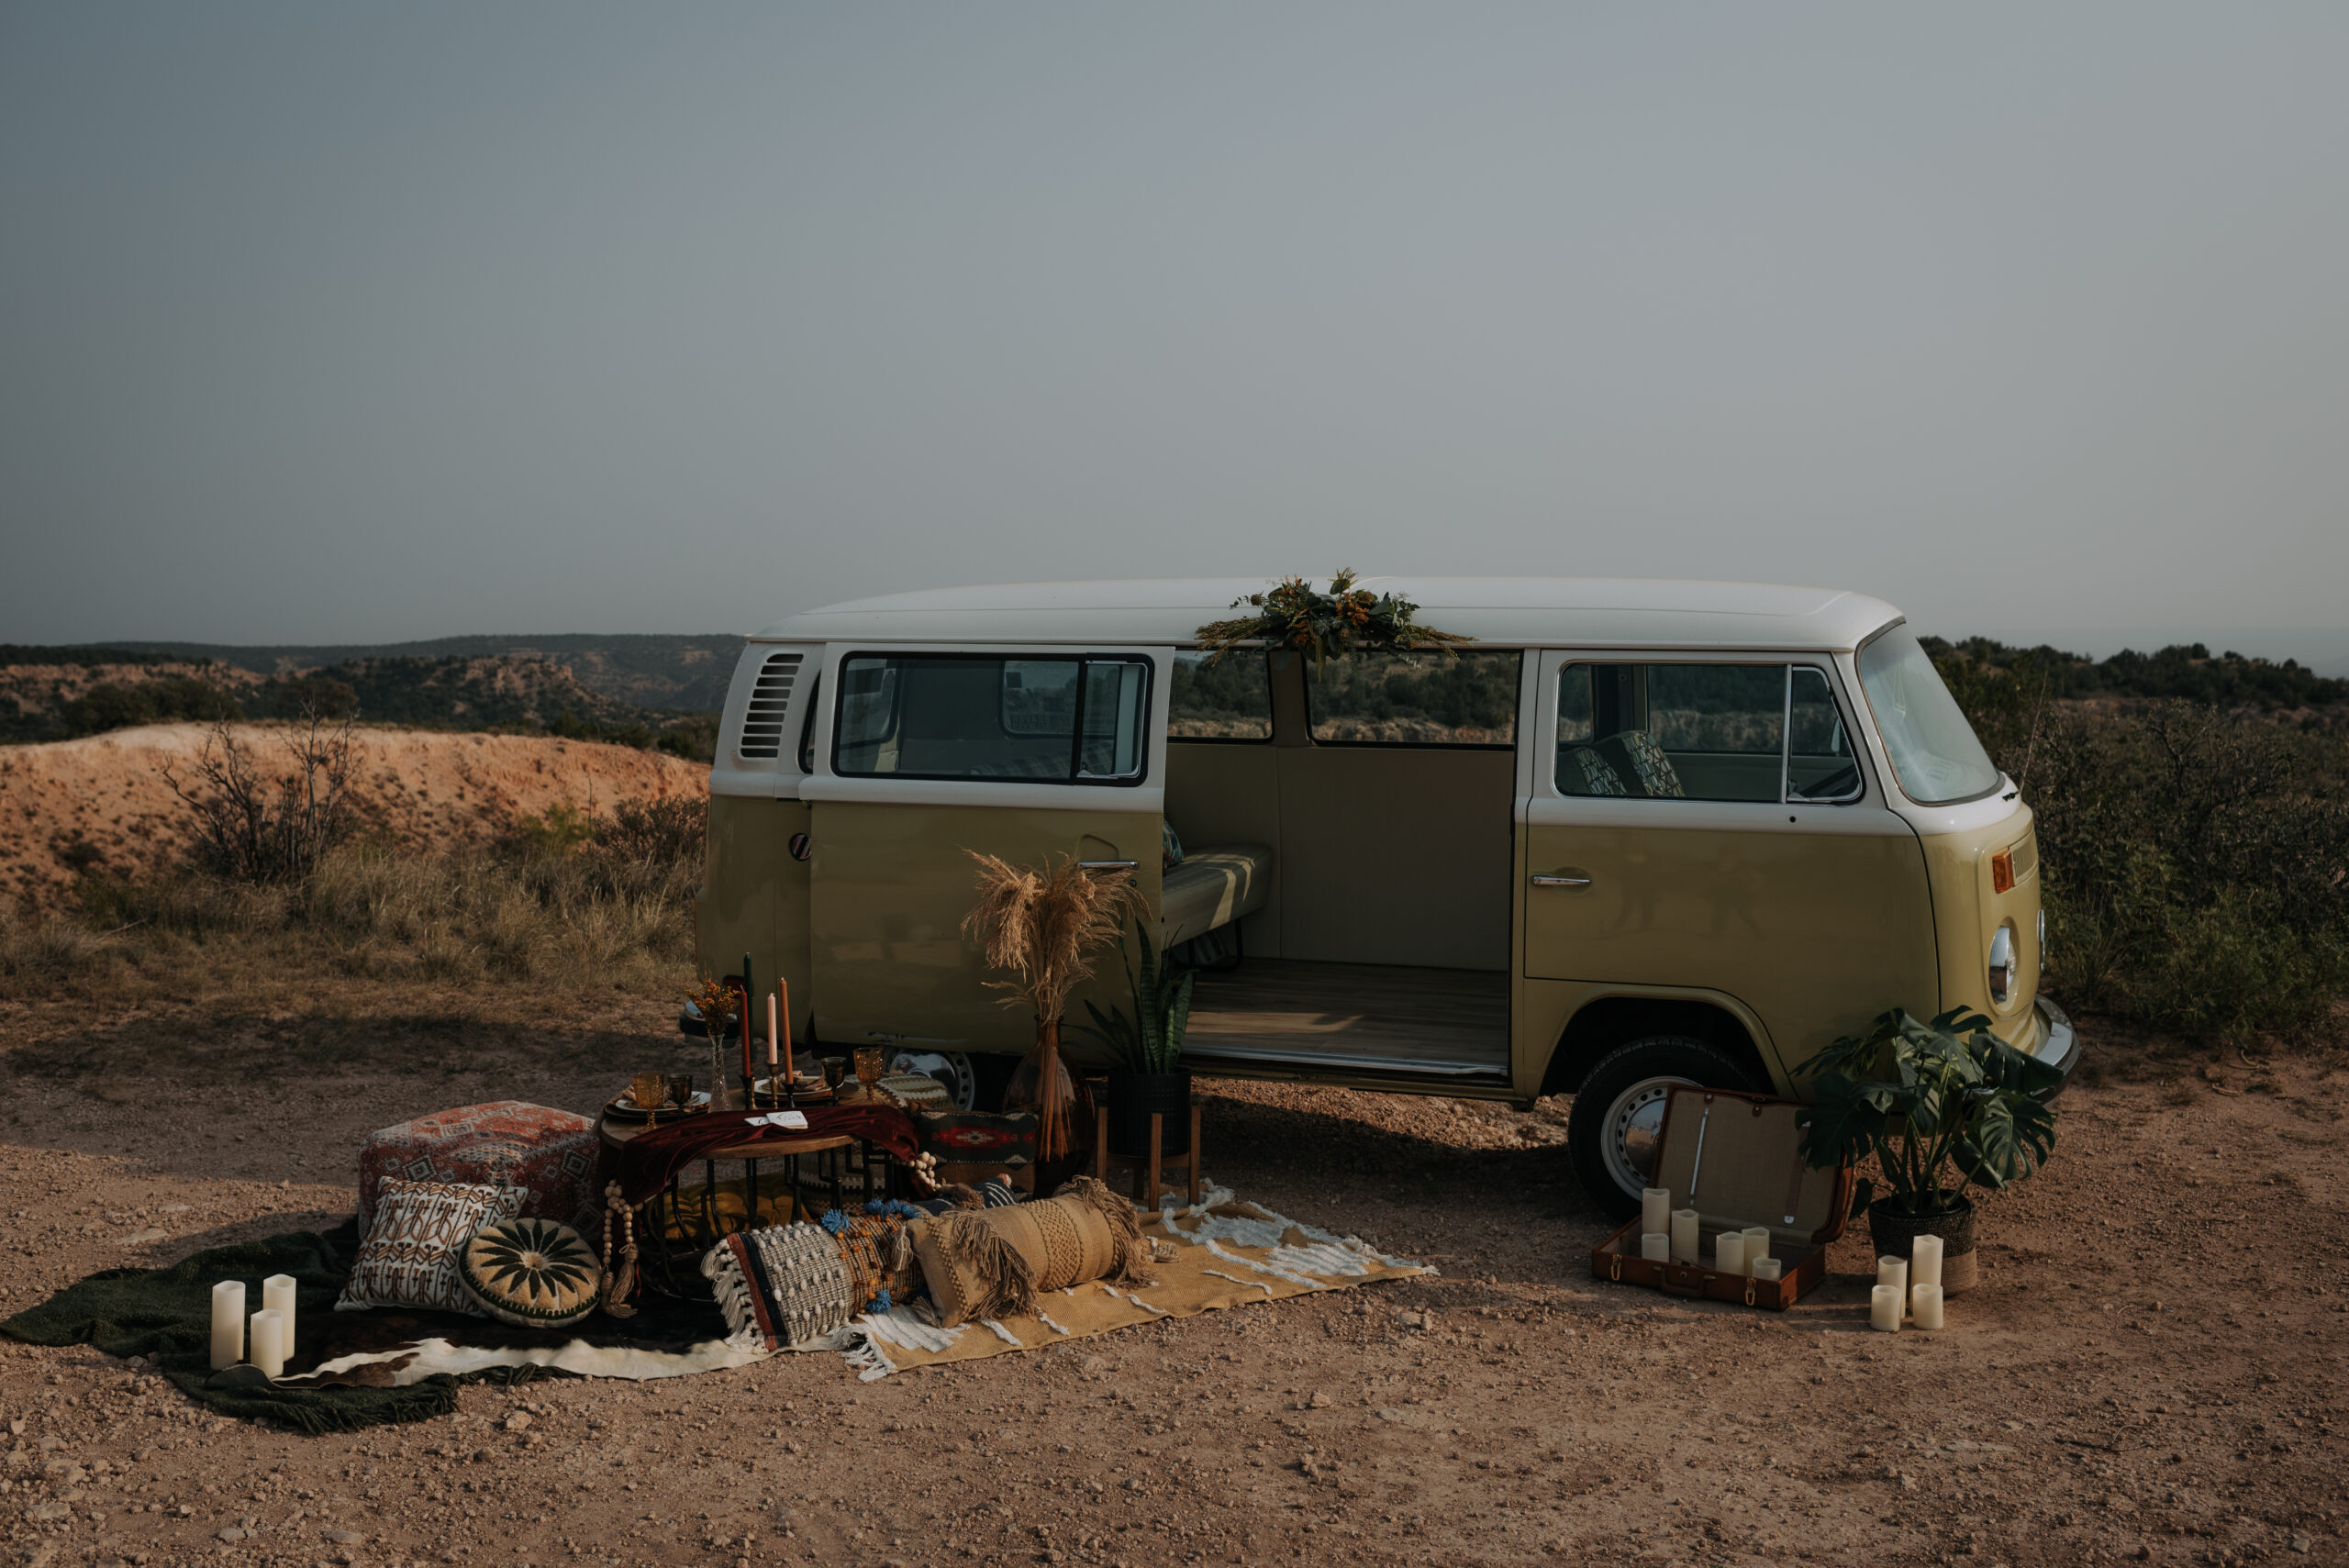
<point>1212,888</point>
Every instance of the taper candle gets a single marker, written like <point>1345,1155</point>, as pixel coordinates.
<point>1925,1262</point>
<point>1768,1268</point>
<point>277,1295</point>
<point>1883,1309</point>
<point>1655,1211</point>
<point>1893,1273</point>
<point>227,1323</point>
<point>268,1343</point>
<point>790,1074</point>
<point>1656,1246</point>
<point>1728,1253</point>
<point>1757,1246</point>
<point>1925,1302</point>
<point>771,1042</point>
<point>1683,1235</point>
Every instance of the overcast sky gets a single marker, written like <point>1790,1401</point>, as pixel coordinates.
<point>338,323</point>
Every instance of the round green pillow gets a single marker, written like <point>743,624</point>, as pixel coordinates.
<point>532,1273</point>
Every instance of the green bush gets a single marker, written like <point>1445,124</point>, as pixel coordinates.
<point>2193,861</point>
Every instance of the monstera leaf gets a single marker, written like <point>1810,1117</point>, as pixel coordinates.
<point>1940,1103</point>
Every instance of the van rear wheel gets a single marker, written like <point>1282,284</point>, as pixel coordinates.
<point>1618,1110</point>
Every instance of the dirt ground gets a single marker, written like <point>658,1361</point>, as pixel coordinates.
<point>2152,1369</point>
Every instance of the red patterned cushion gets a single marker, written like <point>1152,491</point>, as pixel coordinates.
<point>549,1154</point>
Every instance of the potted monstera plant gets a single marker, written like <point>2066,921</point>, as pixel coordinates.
<point>1939,1105</point>
<point>1145,1052</point>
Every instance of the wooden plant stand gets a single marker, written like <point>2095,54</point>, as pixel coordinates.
<point>1149,1174</point>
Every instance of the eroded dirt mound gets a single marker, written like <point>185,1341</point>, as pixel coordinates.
<point>103,802</point>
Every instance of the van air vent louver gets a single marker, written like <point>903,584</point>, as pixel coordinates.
<point>770,697</point>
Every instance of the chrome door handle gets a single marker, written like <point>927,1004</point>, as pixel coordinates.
<point>1106,865</point>
<point>1540,881</point>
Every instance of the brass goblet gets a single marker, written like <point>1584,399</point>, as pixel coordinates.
<point>868,1065</point>
<point>649,1091</point>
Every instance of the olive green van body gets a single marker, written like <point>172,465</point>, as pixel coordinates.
<point>1778,925</point>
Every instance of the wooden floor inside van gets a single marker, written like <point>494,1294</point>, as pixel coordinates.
<point>1364,1017</point>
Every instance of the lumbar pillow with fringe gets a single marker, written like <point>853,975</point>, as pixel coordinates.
<point>993,1262</point>
<point>783,1286</point>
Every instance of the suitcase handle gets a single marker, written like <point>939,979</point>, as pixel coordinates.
<point>1683,1279</point>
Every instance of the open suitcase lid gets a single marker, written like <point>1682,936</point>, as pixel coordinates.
<point>1734,1159</point>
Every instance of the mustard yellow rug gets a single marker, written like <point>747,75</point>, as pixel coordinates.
<point>1223,1253</point>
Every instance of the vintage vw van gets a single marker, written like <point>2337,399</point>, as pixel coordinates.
<point>1638,834</point>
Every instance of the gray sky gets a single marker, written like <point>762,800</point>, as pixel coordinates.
<point>339,323</point>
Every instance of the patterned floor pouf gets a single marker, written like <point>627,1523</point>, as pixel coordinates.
<point>549,1154</point>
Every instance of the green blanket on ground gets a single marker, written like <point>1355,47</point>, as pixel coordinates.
<point>167,1314</point>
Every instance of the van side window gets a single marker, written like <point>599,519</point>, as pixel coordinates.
<point>1819,763</point>
<point>1672,732</point>
<point>951,716</point>
<point>1230,701</point>
<point>1415,699</point>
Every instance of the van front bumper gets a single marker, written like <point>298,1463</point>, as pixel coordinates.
<point>2060,1049</point>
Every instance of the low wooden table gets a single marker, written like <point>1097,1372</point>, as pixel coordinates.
<point>618,1134</point>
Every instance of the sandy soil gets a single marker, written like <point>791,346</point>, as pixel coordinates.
<point>2150,1370</point>
<point>104,800</point>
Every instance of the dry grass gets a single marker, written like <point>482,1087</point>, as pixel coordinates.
<point>1041,926</point>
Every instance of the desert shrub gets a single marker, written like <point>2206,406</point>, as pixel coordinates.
<point>670,831</point>
<point>252,828</point>
<point>561,829</point>
<point>2195,860</point>
<point>164,699</point>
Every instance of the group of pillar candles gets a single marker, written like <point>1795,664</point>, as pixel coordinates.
<point>270,1330</point>
<point>1673,1235</point>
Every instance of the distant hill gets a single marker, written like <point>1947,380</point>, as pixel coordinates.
<point>57,694</point>
<point>2190,671</point>
<point>683,674</point>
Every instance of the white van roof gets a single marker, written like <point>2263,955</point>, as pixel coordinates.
<point>1567,612</point>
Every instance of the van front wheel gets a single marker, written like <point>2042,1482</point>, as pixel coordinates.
<point>1618,1110</point>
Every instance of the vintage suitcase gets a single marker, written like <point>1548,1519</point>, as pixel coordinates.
<point>1732,1158</point>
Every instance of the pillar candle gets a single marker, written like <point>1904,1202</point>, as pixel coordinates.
<point>1768,1268</point>
<point>1728,1253</point>
<point>1925,1262</point>
<point>268,1345</point>
<point>1683,1235</point>
<point>1757,1245</point>
<point>1656,1246</point>
<point>1655,1210</point>
<point>277,1295</point>
<point>1893,1274</point>
<point>1883,1309</point>
<point>227,1323</point>
<point>1925,1301</point>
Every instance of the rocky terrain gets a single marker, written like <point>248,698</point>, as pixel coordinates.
<point>2152,1369</point>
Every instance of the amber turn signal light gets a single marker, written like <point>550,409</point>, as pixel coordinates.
<point>2002,871</point>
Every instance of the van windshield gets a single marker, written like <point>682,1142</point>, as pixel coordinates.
<point>1933,748</point>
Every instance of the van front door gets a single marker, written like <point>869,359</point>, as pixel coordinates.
<point>1704,825</point>
<point>925,758</point>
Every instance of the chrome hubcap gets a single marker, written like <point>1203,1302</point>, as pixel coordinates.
<point>1632,1123</point>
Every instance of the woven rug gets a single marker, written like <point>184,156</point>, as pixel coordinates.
<point>1225,1253</point>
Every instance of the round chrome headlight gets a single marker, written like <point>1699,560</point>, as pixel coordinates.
<point>2002,964</point>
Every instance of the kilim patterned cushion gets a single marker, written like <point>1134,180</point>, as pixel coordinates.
<point>976,1138</point>
<point>778,1287</point>
<point>549,1154</point>
<point>532,1273</point>
<point>410,1258</point>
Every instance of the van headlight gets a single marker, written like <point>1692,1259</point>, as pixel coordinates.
<point>2002,964</point>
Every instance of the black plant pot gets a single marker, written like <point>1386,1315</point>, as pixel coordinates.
<point>1894,1232</point>
<point>1132,1097</point>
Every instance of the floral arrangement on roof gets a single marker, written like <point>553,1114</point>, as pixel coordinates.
<point>1346,619</point>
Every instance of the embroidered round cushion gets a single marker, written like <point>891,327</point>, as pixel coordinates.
<point>532,1273</point>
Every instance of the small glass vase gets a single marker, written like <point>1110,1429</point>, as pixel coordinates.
<point>1042,1084</point>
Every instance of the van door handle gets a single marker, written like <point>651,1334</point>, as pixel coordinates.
<point>1106,865</point>
<point>1542,880</point>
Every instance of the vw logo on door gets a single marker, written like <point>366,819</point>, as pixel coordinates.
<point>802,846</point>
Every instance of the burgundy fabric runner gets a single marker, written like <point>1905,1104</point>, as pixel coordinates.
<point>649,1162</point>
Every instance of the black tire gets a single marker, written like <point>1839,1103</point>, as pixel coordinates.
<point>1628,1080</point>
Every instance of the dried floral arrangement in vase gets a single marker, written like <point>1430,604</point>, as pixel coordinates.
<point>1041,928</point>
<point>719,1006</point>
